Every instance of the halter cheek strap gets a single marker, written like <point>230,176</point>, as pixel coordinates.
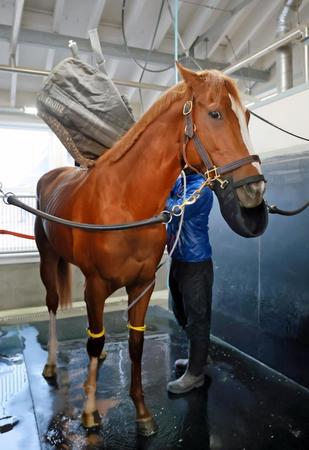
<point>212,172</point>
<point>141,329</point>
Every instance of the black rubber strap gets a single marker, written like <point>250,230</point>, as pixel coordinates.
<point>247,180</point>
<point>273,209</point>
<point>164,217</point>
<point>276,126</point>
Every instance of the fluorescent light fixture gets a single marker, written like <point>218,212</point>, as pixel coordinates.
<point>30,110</point>
<point>249,104</point>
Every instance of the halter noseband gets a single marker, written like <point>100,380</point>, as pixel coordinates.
<point>214,173</point>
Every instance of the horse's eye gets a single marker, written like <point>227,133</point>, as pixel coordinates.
<point>215,114</point>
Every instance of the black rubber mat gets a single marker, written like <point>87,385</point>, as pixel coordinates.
<point>242,406</point>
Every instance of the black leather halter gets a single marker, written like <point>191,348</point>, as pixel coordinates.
<point>213,172</point>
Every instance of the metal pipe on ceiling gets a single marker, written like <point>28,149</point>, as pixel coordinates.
<point>284,56</point>
<point>12,110</point>
<point>297,33</point>
<point>306,55</point>
<point>55,40</point>
<point>45,73</point>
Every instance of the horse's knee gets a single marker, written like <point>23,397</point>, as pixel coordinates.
<point>95,346</point>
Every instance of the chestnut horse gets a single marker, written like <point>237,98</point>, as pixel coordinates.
<point>131,182</point>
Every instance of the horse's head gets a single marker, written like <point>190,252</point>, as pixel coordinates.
<point>216,125</point>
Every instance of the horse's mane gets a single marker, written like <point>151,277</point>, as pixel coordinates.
<point>162,104</point>
<point>216,80</point>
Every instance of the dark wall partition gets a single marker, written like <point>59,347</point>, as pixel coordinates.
<point>261,292</point>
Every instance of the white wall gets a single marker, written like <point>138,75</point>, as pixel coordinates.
<point>289,110</point>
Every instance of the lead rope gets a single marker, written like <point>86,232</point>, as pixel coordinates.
<point>177,214</point>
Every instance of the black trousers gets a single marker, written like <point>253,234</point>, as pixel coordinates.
<point>190,286</point>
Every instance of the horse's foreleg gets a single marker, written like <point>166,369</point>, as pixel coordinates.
<point>95,294</point>
<point>146,425</point>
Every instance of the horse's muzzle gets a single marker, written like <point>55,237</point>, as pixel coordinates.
<point>251,195</point>
<point>242,207</point>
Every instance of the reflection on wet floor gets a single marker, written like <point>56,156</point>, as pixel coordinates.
<point>243,404</point>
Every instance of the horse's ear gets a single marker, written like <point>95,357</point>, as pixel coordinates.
<point>189,76</point>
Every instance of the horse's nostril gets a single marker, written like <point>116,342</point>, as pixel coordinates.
<point>254,189</point>
<point>249,191</point>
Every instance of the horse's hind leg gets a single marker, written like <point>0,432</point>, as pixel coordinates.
<point>96,292</point>
<point>146,425</point>
<point>49,266</point>
<point>48,271</point>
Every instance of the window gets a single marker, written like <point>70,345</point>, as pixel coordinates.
<point>26,153</point>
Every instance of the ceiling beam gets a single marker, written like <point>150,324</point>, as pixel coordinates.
<point>195,25</point>
<point>96,14</point>
<point>264,10</point>
<point>57,17</point>
<point>222,27</point>
<point>133,13</point>
<point>51,40</point>
<point>13,85</point>
<point>163,27</point>
<point>58,14</point>
<point>199,21</point>
<point>18,13</point>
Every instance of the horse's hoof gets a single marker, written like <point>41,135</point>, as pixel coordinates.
<point>103,356</point>
<point>91,420</point>
<point>146,427</point>
<point>49,371</point>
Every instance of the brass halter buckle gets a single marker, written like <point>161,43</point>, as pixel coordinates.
<point>187,107</point>
<point>216,176</point>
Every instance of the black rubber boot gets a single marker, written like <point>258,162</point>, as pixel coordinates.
<point>193,376</point>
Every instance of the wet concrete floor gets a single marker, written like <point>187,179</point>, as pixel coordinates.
<point>243,406</point>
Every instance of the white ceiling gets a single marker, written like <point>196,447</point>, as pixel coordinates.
<point>232,29</point>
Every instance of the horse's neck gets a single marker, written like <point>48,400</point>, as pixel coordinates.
<point>147,172</point>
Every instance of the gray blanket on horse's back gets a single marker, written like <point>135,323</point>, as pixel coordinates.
<point>87,104</point>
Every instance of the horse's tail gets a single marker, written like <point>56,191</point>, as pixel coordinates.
<point>64,283</point>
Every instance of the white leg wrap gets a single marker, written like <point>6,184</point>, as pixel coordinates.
<point>91,386</point>
<point>52,341</point>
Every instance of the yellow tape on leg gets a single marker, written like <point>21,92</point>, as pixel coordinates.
<point>95,335</point>
<point>131,327</point>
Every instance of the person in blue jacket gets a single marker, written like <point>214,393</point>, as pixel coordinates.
<point>191,279</point>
